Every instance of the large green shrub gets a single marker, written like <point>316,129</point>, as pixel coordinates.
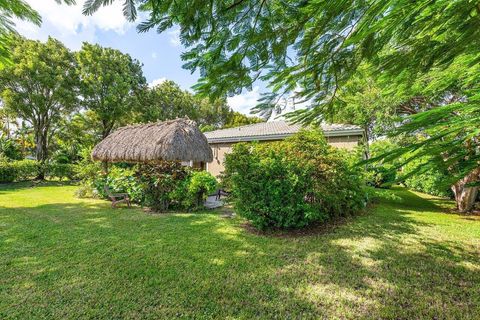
<point>119,180</point>
<point>26,169</point>
<point>60,171</point>
<point>434,182</point>
<point>161,183</point>
<point>293,182</point>
<point>199,185</point>
<point>7,172</point>
<point>161,186</point>
<point>10,149</point>
<point>21,170</point>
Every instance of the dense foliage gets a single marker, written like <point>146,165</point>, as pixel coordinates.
<point>56,103</point>
<point>424,53</point>
<point>9,149</point>
<point>160,182</point>
<point>161,186</point>
<point>293,183</point>
<point>39,87</point>
<point>109,82</point>
<point>431,181</point>
<point>314,45</point>
<point>381,174</point>
<point>24,170</point>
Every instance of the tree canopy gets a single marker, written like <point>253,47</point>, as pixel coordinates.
<point>39,87</point>
<point>109,80</point>
<point>314,45</point>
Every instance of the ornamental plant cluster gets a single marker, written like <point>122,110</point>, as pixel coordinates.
<point>161,186</point>
<point>293,183</point>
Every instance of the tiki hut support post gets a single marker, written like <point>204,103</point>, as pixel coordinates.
<point>174,140</point>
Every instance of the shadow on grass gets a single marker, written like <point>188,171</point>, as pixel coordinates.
<point>87,260</point>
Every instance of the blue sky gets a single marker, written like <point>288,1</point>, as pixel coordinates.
<point>160,53</point>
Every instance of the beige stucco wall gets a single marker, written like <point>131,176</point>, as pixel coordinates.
<point>346,142</point>
<point>221,149</point>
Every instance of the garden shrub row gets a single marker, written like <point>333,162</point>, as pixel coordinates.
<point>162,186</point>
<point>23,170</point>
<point>292,183</point>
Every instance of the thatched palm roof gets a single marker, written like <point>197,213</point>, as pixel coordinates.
<point>174,140</point>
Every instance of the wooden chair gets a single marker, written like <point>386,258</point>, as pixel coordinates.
<point>117,197</point>
<point>219,193</point>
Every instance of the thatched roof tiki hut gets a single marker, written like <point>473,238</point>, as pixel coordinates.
<point>174,140</point>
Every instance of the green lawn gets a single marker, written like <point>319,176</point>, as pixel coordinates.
<point>62,257</point>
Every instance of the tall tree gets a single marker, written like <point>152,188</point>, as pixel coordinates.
<point>109,82</point>
<point>39,87</point>
<point>363,102</point>
<point>444,118</point>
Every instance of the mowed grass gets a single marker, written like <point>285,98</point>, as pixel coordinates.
<point>62,257</point>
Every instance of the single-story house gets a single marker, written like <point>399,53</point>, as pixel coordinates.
<point>221,141</point>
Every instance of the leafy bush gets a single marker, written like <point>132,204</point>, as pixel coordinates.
<point>26,169</point>
<point>431,181</point>
<point>7,172</point>
<point>293,183</point>
<point>18,170</point>
<point>199,185</point>
<point>380,174</point>
<point>60,170</point>
<point>120,180</point>
<point>10,149</point>
<point>162,184</point>
<point>85,191</point>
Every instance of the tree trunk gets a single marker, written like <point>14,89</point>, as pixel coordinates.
<point>366,146</point>
<point>41,151</point>
<point>107,128</point>
<point>465,196</point>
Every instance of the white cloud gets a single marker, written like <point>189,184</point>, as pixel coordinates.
<point>245,101</point>
<point>154,55</point>
<point>175,37</point>
<point>68,24</point>
<point>156,82</point>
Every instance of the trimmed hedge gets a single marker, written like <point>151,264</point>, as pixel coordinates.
<point>24,170</point>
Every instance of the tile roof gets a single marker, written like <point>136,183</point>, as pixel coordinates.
<point>275,130</point>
